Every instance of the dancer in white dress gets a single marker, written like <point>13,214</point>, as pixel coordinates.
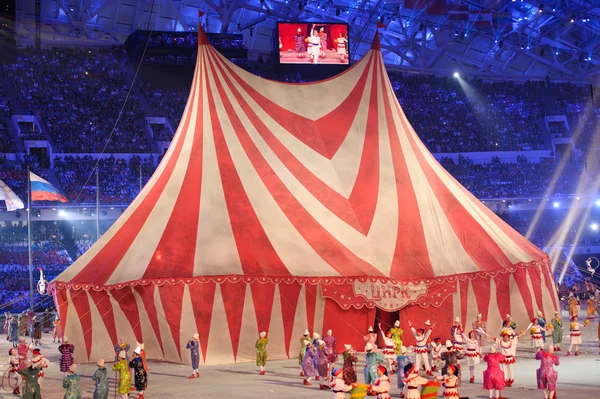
<point>575,336</point>
<point>537,336</point>
<point>420,350</point>
<point>389,349</point>
<point>473,353</point>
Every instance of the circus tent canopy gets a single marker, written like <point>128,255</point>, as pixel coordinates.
<point>281,207</point>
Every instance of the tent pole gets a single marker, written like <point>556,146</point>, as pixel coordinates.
<point>97,205</point>
<point>29,240</point>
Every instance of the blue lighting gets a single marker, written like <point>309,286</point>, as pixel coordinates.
<point>555,204</point>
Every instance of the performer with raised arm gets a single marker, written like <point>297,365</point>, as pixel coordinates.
<point>473,354</point>
<point>370,338</point>
<point>457,334</point>
<point>299,43</point>
<point>537,339</point>
<point>452,357</point>
<point>397,334</point>
<point>480,324</point>
<point>315,45</point>
<point>557,331</point>
<point>373,359</point>
<point>493,376</point>
<point>510,325</point>
<point>508,347</point>
<point>56,330</point>
<point>546,375</point>
<point>575,335</point>
<point>389,349</point>
<point>421,351</point>
<point>436,354</point>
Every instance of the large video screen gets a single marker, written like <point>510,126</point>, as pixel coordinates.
<point>313,43</point>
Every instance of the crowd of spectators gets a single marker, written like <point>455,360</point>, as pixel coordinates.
<point>5,106</point>
<point>78,94</point>
<point>14,172</point>
<point>120,179</point>
<point>29,131</point>
<point>7,144</point>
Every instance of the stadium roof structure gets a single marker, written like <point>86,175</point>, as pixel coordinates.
<point>505,38</point>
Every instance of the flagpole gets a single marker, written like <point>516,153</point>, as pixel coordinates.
<point>97,205</point>
<point>140,176</point>
<point>29,239</point>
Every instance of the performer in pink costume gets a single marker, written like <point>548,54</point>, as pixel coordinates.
<point>493,376</point>
<point>508,347</point>
<point>546,375</point>
<point>370,338</point>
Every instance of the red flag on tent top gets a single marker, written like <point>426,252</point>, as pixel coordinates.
<point>200,13</point>
<point>381,25</point>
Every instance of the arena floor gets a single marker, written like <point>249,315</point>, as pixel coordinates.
<point>579,377</point>
<point>288,57</point>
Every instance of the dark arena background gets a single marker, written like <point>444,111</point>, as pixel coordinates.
<point>180,176</point>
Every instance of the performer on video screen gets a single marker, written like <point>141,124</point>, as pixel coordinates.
<point>341,43</point>
<point>314,45</point>
<point>299,42</point>
<point>323,36</point>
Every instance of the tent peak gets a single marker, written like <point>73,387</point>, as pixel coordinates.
<point>202,38</point>
<point>376,45</point>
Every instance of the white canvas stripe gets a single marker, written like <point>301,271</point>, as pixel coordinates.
<point>149,335</point>
<point>101,342</point>
<point>340,172</point>
<point>291,247</point>
<point>290,95</point>
<point>248,331</point>
<point>122,326</point>
<point>187,325</point>
<point>215,243</point>
<point>169,344</point>
<point>219,349</point>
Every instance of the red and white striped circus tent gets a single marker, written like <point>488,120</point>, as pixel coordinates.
<point>284,207</point>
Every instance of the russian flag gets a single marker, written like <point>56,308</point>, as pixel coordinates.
<point>41,190</point>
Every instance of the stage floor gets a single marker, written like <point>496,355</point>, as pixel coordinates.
<point>288,57</point>
<point>577,378</point>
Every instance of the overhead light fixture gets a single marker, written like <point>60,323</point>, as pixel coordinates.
<point>456,75</point>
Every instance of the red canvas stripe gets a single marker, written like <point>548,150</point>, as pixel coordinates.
<point>464,301</point>
<point>535,275</point>
<point>326,134</point>
<point>234,298</point>
<point>549,280</point>
<point>262,296</point>
<point>333,252</point>
<point>82,307</point>
<point>411,257</point>
<point>128,306</point>
<point>310,293</point>
<point>63,306</point>
<point>481,287</point>
<point>289,294</point>
<point>203,298</point>
<point>100,268</point>
<point>104,306</point>
<point>367,180</point>
<point>146,292</point>
<point>502,283</point>
<point>175,252</point>
<point>172,303</point>
<point>484,251</point>
<point>521,279</point>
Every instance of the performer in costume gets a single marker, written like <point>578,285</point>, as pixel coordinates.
<point>56,330</point>
<point>456,331</point>
<point>546,375</point>
<point>261,351</point>
<point>381,386</point>
<point>100,378</point>
<point>473,354</point>
<point>71,384</point>
<point>194,346</point>
<point>315,342</point>
<point>341,43</point>
<point>122,366</point>
<point>556,325</point>
<point>36,331</point>
<point>509,325</point>
<point>13,331</point>
<point>451,358</point>
<point>13,371</point>
<point>315,45</point>
<point>537,339</point>
<point>591,308</point>
<point>421,351</point>
<point>305,338</point>
<point>299,43</point>
<point>397,332</point>
<point>575,336</point>
<point>308,363</point>
<point>402,361</point>
<point>323,364</point>
<point>22,325</point>
<point>374,358</point>
<point>6,324</point>
<point>542,323</point>
<point>451,383</point>
<point>39,362</point>
<point>331,343</point>
<point>139,372</point>
<point>436,354</point>
<point>493,376</point>
<point>122,345</point>
<point>31,388</point>
<point>508,347</point>
<point>66,355</point>
<point>389,348</point>
<point>323,36</point>
<point>23,350</point>
<point>413,382</point>
<point>572,305</point>
<point>370,338</point>
<point>339,386</point>
<point>349,368</point>
<point>480,324</point>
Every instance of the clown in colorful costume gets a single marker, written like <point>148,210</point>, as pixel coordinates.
<point>194,346</point>
<point>402,361</point>
<point>39,362</point>
<point>57,330</point>
<point>13,331</point>
<point>493,376</point>
<point>389,349</point>
<point>509,325</point>
<point>13,371</point>
<point>397,332</point>
<point>122,366</point>
<point>299,43</point>
<point>451,383</point>
<point>381,386</point>
<point>100,378</point>
<point>303,340</point>
<point>480,324</point>
<point>71,384</point>
<point>413,381</point>
<point>572,305</point>
<point>508,347</point>
<point>66,355</point>
<point>323,36</point>
<point>23,350</point>
<point>315,46</point>
<point>261,351</point>
<point>473,354</point>
<point>323,354</point>
<point>341,43</point>
<point>122,346</point>
<point>575,336</point>
<point>348,369</point>
<point>591,308</point>
<point>31,388</point>
<point>537,339</point>
<point>421,351</point>
<point>436,354</point>
<point>546,375</point>
<point>139,372</point>
<point>372,361</point>
<point>331,342</point>
<point>339,386</point>
<point>370,338</point>
<point>557,331</point>
<point>457,334</point>
<point>451,358</point>
<point>542,323</point>
<point>308,364</point>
